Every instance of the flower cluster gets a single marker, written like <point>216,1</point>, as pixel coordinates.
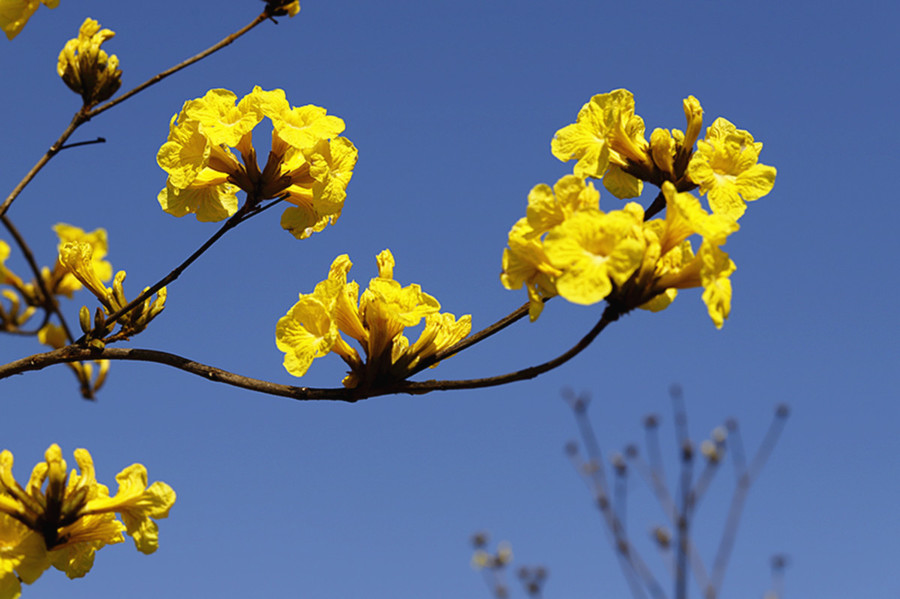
<point>61,519</point>
<point>309,165</point>
<point>567,246</point>
<point>376,319</point>
<point>25,298</point>
<point>15,13</point>
<point>87,69</point>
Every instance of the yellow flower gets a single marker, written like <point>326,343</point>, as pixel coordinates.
<point>376,320</point>
<point>15,13</point>
<point>87,69</point>
<point>309,165</point>
<point>606,137</point>
<point>524,261</point>
<point>6,276</point>
<point>138,505</point>
<point>64,283</point>
<point>726,169</point>
<point>595,251</point>
<point>62,520</point>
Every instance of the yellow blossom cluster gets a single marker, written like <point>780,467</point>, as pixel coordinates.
<point>59,519</point>
<point>309,165</point>
<point>567,246</point>
<point>312,327</point>
<point>15,13</point>
<point>87,69</point>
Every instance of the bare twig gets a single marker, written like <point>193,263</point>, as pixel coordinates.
<point>637,573</point>
<point>744,482</point>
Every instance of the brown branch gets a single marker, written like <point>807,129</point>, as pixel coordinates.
<point>74,353</point>
<point>610,315</point>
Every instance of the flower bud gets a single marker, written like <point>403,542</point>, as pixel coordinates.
<point>85,68</point>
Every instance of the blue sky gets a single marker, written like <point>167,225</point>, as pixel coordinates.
<point>452,106</point>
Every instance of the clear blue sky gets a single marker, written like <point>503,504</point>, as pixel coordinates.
<point>452,106</point>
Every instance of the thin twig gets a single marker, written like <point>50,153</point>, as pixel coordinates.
<point>634,568</point>
<point>475,338</point>
<point>609,316</point>
<point>682,524</point>
<point>742,488</point>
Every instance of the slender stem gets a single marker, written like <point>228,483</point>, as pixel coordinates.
<point>742,488</point>
<point>682,529</point>
<point>157,78</point>
<point>90,142</point>
<point>609,316</point>
<point>475,338</point>
<point>658,485</point>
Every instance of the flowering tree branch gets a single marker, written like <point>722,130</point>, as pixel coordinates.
<point>85,113</point>
<point>75,353</point>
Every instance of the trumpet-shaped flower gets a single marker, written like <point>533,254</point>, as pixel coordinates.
<point>526,263</point>
<point>63,282</point>
<point>595,251</point>
<point>15,13</point>
<point>726,168</point>
<point>376,319</point>
<point>77,258</point>
<point>85,68</point>
<point>606,138</point>
<point>62,520</point>
<point>308,165</point>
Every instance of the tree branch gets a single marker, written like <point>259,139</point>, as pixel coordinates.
<point>75,353</point>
